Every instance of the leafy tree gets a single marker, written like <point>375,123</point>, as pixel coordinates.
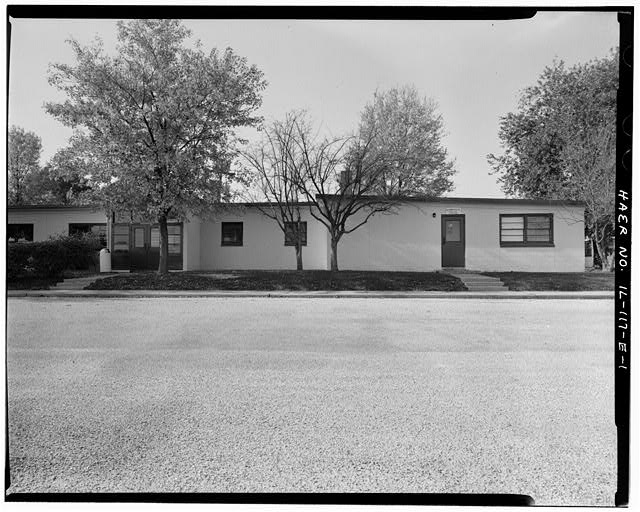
<point>560,144</point>
<point>340,178</point>
<point>24,151</point>
<point>408,133</point>
<point>273,176</point>
<point>157,122</point>
<point>63,180</point>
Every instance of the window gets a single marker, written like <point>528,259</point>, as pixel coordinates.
<point>588,248</point>
<point>20,233</point>
<point>532,229</point>
<point>174,232</point>
<point>83,228</point>
<point>120,238</point>
<point>290,233</point>
<point>232,233</point>
<point>155,237</point>
<point>453,230</point>
<point>138,238</point>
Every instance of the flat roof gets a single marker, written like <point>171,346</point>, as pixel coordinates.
<point>491,200</point>
<point>480,200</point>
<point>53,207</point>
<point>463,200</point>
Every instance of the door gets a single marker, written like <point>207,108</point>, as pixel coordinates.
<point>144,252</point>
<point>453,241</point>
<point>153,248</point>
<point>137,246</point>
<point>138,249</point>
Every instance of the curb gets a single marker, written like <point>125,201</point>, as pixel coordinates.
<point>138,294</point>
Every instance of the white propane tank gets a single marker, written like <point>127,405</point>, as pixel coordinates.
<point>105,260</point>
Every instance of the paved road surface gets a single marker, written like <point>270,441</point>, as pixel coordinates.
<point>316,395</point>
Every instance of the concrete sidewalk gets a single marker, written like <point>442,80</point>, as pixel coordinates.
<point>113,294</point>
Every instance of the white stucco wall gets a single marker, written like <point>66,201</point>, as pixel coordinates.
<point>54,221</point>
<point>191,245</point>
<point>411,239</point>
<point>485,253</point>
<point>407,240</point>
<point>263,243</point>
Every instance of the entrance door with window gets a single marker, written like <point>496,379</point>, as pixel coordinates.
<point>144,252</point>
<point>453,241</point>
<point>137,246</point>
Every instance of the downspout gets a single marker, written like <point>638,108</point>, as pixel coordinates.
<point>111,219</point>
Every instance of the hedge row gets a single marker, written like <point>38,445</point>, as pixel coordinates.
<point>48,259</point>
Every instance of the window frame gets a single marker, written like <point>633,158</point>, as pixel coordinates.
<point>291,243</point>
<point>180,226</point>
<point>525,242</point>
<point>23,225</point>
<point>120,229</point>
<point>89,225</point>
<point>231,244</point>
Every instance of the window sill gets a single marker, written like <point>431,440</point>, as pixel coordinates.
<point>230,245</point>
<point>527,244</point>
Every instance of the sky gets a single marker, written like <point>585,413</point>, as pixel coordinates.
<point>474,70</point>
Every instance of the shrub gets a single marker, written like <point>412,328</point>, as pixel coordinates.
<point>79,250</point>
<point>48,259</point>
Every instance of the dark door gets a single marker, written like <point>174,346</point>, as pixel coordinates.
<point>453,240</point>
<point>144,252</point>
<point>138,249</point>
<point>153,249</point>
<point>137,246</point>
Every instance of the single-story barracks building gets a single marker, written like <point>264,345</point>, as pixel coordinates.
<point>420,235</point>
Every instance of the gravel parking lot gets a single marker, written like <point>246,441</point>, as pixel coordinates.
<point>313,395</point>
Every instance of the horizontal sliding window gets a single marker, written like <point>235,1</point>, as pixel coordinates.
<point>290,231</point>
<point>526,229</point>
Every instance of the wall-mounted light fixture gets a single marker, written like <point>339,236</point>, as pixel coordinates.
<point>433,215</point>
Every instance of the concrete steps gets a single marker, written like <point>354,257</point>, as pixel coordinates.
<point>478,283</point>
<point>78,283</point>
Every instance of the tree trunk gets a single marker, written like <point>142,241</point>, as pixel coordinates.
<point>610,258</point>
<point>334,254</point>
<point>599,251</point>
<point>18,192</point>
<point>163,265</point>
<point>298,255</point>
<point>602,253</point>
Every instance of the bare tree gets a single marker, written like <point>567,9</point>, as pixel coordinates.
<point>273,174</point>
<point>590,156</point>
<point>340,178</point>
